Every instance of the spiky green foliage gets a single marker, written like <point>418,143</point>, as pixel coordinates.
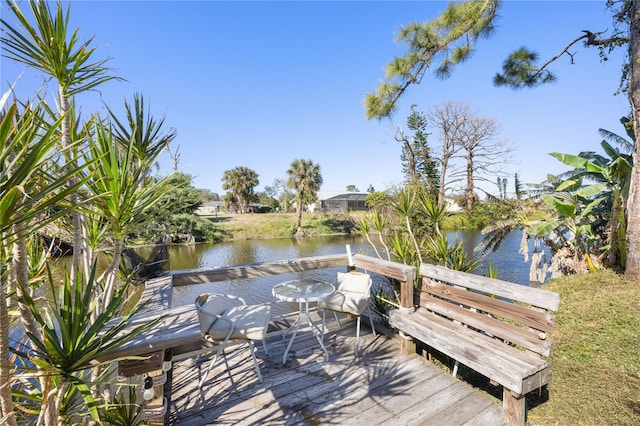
<point>28,143</point>
<point>72,339</point>
<point>123,190</point>
<point>123,410</point>
<point>147,135</point>
<point>48,45</point>
<point>451,254</point>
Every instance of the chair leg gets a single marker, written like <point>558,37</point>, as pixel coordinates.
<point>264,345</point>
<point>255,361</point>
<point>371,321</point>
<point>213,361</point>
<point>226,364</point>
<point>324,318</point>
<point>358,335</point>
<point>335,314</point>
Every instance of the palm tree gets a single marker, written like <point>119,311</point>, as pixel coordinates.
<point>304,177</point>
<point>241,181</point>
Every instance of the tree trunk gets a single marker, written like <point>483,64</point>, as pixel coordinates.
<point>65,130</point>
<point>87,258</point>
<point>109,275</point>
<point>300,198</point>
<point>20,273</point>
<point>6,401</point>
<point>468,195</point>
<point>633,203</point>
<point>443,174</point>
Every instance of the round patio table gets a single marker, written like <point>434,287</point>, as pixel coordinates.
<point>303,291</point>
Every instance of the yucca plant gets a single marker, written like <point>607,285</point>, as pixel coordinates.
<point>123,410</point>
<point>46,43</point>
<point>434,213</point>
<point>28,190</point>
<point>451,254</point>
<point>404,207</point>
<point>123,193</point>
<point>376,223</point>
<point>40,171</point>
<point>71,342</point>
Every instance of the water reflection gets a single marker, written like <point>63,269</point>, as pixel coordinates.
<point>510,263</point>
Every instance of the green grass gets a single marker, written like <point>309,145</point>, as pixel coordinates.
<point>596,353</point>
<point>278,225</point>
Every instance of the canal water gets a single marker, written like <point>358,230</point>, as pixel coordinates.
<point>258,290</point>
<point>508,262</point>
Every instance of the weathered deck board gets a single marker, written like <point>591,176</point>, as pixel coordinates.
<point>379,387</point>
<point>157,294</point>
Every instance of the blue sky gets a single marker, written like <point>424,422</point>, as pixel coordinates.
<point>259,84</point>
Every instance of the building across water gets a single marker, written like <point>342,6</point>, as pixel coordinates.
<point>336,201</point>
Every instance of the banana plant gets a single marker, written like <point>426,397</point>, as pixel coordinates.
<point>578,209</point>
<point>594,197</point>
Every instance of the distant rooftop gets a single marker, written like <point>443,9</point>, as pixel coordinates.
<point>344,195</point>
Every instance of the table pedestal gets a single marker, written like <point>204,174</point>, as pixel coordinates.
<point>303,291</point>
<point>303,313</point>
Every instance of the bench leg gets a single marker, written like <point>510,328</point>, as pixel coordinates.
<point>514,407</point>
<point>407,345</point>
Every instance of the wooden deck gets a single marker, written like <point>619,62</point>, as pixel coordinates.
<point>379,387</point>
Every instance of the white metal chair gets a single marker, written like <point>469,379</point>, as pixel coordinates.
<point>224,317</point>
<point>352,297</point>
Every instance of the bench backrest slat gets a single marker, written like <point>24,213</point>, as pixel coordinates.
<point>512,333</point>
<point>521,314</point>
<point>532,296</point>
<point>512,313</point>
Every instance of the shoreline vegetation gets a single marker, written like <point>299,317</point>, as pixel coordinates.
<point>596,355</point>
<point>251,226</point>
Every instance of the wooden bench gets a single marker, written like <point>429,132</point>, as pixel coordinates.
<point>499,329</point>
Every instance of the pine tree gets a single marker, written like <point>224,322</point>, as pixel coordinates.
<point>418,165</point>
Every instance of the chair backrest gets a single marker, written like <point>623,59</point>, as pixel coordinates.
<point>354,282</point>
<point>209,305</point>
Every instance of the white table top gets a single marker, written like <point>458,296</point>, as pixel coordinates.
<point>304,290</point>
